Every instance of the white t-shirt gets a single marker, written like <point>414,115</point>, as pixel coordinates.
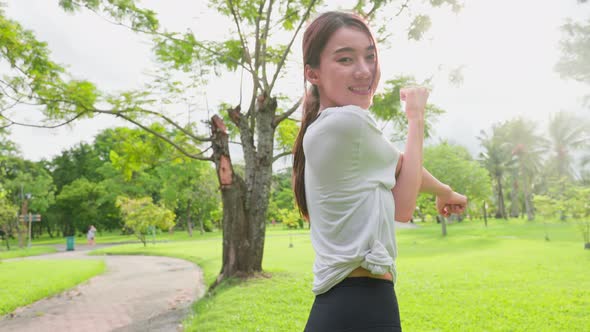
<point>349,174</point>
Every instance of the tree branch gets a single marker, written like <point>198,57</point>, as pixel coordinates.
<point>169,36</point>
<point>172,122</point>
<point>11,122</point>
<point>284,57</point>
<point>281,155</point>
<point>264,43</point>
<point>242,39</point>
<point>256,80</point>
<point>160,136</point>
<point>401,9</point>
<point>278,119</point>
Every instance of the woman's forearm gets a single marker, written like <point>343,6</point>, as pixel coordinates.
<point>432,185</point>
<point>409,181</point>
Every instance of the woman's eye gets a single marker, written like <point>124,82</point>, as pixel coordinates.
<point>371,57</point>
<point>345,60</point>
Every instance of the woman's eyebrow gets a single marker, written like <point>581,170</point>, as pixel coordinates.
<point>350,49</point>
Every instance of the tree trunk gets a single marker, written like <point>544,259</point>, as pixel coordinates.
<point>201,225</point>
<point>528,202</point>
<point>514,210</point>
<point>501,211</point>
<point>189,225</point>
<point>443,223</point>
<point>485,213</point>
<point>49,230</point>
<point>20,231</point>
<point>6,236</point>
<point>245,201</point>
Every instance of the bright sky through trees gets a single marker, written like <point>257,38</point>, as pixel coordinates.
<point>507,49</point>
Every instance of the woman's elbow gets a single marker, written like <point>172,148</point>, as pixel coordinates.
<point>404,216</point>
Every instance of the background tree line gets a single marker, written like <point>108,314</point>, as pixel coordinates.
<point>82,186</point>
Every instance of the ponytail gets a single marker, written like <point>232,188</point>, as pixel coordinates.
<point>311,107</point>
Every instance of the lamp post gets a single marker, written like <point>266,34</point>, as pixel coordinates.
<point>23,213</point>
<point>28,197</point>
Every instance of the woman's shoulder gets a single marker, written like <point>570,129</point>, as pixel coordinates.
<point>346,111</point>
<point>349,116</point>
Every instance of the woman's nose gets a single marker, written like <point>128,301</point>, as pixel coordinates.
<point>363,70</point>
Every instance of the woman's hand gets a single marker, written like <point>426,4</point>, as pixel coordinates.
<point>415,99</point>
<point>451,203</point>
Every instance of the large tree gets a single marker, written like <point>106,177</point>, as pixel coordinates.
<point>37,80</point>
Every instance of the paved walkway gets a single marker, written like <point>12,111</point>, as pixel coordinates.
<point>136,293</point>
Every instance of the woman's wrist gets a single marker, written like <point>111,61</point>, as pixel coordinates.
<point>444,190</point>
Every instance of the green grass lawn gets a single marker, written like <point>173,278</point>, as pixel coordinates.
<point>25,281</point>
<point>505,277</point>
<point>15,252</point>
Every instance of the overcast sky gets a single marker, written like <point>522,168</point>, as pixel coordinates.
<point>508,49</point>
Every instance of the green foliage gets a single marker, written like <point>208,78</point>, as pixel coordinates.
<point>7,147</point>
<point>286,134</point>
<point>281,196</point>
<point>190,188</point>
<point>419,26</point>
<point>454,166</point>
<point>568,133</point>
<point>22,177</point>
<point>546,206</point>
<point>38,80</point>
<point>80,161</point>
<point>8,213</point>
<point>142,215</point>
<point>575,46</point>
<point>124,11</point>
<point>290,218</point>
<point>568,201</point>
<point>82,203</point>
<point>135,150</point>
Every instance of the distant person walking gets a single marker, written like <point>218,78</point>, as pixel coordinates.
<point>91,235</point>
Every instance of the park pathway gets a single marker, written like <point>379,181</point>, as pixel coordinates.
<point>136,293</point>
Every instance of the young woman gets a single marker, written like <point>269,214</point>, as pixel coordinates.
<point>351,183</point>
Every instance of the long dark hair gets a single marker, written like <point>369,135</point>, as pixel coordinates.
<point>315,38</point>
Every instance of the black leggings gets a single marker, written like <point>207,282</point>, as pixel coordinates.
<point>356,304</point>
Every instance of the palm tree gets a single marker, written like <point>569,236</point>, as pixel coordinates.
<point>567,134</point>
<point>496,158</point>
<point>527,147</point>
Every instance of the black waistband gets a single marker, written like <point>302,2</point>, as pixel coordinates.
<point>363,281</point>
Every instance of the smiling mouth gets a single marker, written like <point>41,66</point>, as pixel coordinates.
<point>360,91</point>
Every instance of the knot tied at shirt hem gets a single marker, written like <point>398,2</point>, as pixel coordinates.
<point>377,261</point>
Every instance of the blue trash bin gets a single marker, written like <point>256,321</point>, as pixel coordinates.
<point>69,243</point>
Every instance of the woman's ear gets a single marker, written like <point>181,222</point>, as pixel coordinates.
<point>311,75</point>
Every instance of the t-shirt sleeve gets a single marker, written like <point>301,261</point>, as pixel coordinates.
<point>379,156</point>
<point>332,148</point>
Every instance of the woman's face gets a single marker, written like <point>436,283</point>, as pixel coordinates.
<point>347,70</point>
